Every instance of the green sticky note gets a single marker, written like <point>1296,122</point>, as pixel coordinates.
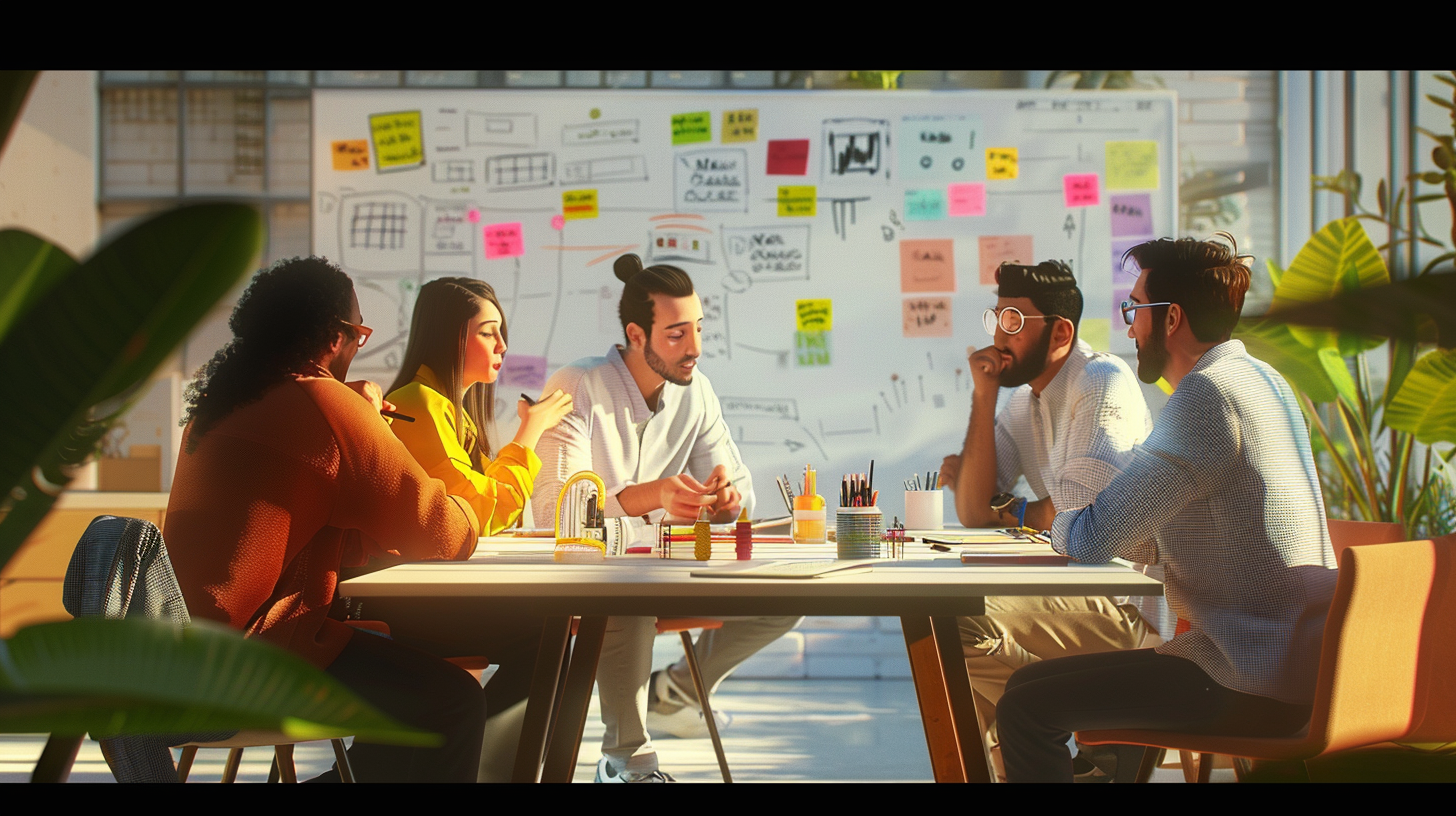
<point>811,348</point>
<point>692,127</point>
<point>925,204</point>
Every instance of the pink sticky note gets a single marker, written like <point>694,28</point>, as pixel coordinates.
<point>996,249</point>
<point>788,157</point>
<point>523,372</point>
<point>474,216</point>
<point>503,240</point>
<point>558,221</point>
<point>927,265</point>
<point>966,199</point>
<point>1080,189</point>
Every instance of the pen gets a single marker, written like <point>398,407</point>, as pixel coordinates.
<point>528,400</point>
<point>397,415</point>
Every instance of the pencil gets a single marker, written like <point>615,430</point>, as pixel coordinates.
<point>397,415</point>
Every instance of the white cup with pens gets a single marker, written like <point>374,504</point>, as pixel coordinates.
<point>924,503</point>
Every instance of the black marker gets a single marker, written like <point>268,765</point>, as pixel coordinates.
<point>528,400</point>
<point>397,415</point>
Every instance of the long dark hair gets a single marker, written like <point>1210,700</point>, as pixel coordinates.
<point>284,322</point>
<point>438,333</point>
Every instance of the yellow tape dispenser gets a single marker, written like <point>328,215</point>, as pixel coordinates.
<point>581,534</point>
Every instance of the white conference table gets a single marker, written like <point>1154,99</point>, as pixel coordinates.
<point>927,591</point>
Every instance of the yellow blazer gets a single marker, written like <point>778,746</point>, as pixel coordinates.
<point>498,494</point>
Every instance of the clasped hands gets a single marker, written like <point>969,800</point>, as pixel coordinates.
<point>683,497</point>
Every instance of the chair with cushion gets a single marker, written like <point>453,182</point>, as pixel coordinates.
<point>1387,668</point>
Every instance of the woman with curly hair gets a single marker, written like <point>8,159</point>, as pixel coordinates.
<point>286,475</point>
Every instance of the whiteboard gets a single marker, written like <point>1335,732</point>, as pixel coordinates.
<point>842,242</point>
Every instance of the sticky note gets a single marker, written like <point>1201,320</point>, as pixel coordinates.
<point>398,143</point>
<point>1132,214</point>
<point>788,157</point>
<point>692,127</point>
<point>811,348</point>
<point>579,204</point>
<point>927,265</point>
<point>925,205</point>
<point>522,372</point>
<point>814,315</point>
<point>1001,163</point>
<point>1124,273</point>
<point>996,249</point>
<point>740,126</point>
<point>926,317</point>
<point>1132,165</point>
<point>350,154</point>
<point>1097,331</point>
<point>503,240</point>
<point>797,200</point>
<point>1080,190</point>
<point>967,198</point>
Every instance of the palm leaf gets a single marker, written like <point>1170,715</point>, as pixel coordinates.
<point>29,267</point>
<point>110,677</point>
<point>1275,343</point>
<point>1425,405</point>
<point>1339,258</point>
<point>14,88</point>
<point>94,337</point>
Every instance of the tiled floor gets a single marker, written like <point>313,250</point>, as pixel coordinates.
<point>782,731</point>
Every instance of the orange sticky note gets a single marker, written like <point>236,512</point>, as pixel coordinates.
<point>350,154</point>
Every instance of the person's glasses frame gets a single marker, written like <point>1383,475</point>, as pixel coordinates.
<point>361,333</point>
<point>1128,307</point>
<point>1010,319</point>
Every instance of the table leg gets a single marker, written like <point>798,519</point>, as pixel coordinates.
<point>930,691</point>
<point>540,704</point>
<point>976,762</point>
<point>581,675</point>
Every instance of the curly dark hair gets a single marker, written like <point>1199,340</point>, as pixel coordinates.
<point>285,320</point>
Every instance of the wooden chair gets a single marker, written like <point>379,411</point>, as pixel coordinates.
<point>1387,664</point>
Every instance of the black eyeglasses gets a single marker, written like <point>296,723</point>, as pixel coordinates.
<point>1128,307</point>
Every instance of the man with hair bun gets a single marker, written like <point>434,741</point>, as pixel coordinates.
<point>648,422</point>
<point>1068,428</point>
<point>1224,495</point>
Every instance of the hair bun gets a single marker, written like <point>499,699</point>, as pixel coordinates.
<point>626,267</point>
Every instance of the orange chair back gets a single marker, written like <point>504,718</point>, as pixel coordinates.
<point>1345,533</point>
<point>1388,660</point>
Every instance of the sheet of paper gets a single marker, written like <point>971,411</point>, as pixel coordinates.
<point>996,249</point>
<point>398,142</point>
<point>503,240</point>
<point>814,314</point>
<point>1132,214</point>
<point>925,205</point>
<point>688,128</point>
<point>1132,165</point>
<point>1001,162</point>
<point>966,199</point>
<point>926,317</point>
<point>350,154</point>
<point>579,204</point>
<point>927,265</point>
<point>740,125</point>
<point>788,157</point>
<point>797,200</point>
<point>1080,190</point>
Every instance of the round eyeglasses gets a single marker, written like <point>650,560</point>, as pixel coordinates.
<point>1128,308</point>
<point>1010,320</point>
<point>361,333</point>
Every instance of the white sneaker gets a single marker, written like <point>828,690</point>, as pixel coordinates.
<point>670,710</point>
<point>606,773</point>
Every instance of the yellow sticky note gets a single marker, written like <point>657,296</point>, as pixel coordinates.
<point>1001,163</point>
<point>1132,165</point>
<point>398,142</point>
<point>579,204</point>
<point>797,200</point>
<point>740,125</point>
<point>814,315</point>
<point>1097,331</point>
<point>350,154</point>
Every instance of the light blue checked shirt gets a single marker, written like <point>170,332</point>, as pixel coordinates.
<point>1224,494</point>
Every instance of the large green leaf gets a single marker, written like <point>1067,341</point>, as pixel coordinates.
<point>1425,405</point>
<point>1275,343</point>
<point>1338,258</point>
<point>29,267</point>
<point>149,677</point>
<point>14,88</point>
<point>96,336</point>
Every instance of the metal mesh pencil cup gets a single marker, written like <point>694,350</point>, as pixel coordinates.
<point>857,532</point>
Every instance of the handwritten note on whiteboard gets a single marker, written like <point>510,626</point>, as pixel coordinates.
<point>1001,163</point>
<point>1080,190</point>
<point>1132,214</point>
<point>503,240</point>
<point>815,314</point>
<point>996,249</point>
<point>811,348</point>
<point>740,125</point>
<point>398,141</point>
<point>1132,165</point>
<point>797,200</point>
<point>927,265</point>
<point>788,157</point>
<point>351,154</point>
<point>967,198</point>
<point>579,204</point>
<point>926,317</point>
<point>688,128</point>
<point>925,205</point>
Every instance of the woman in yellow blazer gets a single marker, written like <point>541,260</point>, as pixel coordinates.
<point>456,345</point>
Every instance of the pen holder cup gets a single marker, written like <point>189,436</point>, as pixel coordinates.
<point>924,509</point>
<point>858,531</point>
<point>809,526</point>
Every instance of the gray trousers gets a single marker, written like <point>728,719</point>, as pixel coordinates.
<point>626,666</point>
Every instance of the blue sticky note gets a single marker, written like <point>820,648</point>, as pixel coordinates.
<point>925,205</point>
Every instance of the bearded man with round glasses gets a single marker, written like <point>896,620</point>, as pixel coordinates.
<point>1068,428</point>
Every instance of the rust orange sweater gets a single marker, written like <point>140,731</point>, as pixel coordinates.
<point>281,493</point>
